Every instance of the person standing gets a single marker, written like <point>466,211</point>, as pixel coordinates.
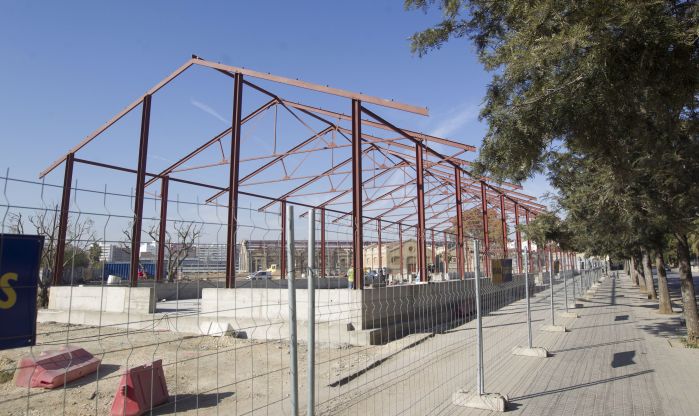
<point>350,277</point>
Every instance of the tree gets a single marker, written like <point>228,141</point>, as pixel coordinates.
<point>178,245</point>
<point>79,236</point>
<point>185,235</point>
<point>605,217</point>
<point>615,81</point>
<point>95,254</point>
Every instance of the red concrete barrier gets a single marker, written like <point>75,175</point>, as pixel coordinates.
<point>53,368</point>
<point>140,389</point>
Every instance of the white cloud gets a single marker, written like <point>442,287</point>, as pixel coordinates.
<point>454,120</point>
<point>207,109</point>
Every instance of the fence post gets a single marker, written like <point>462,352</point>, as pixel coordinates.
<point>311,311</point>
<point>529,310</point>
<point>290,266</point>
<point>552,327</point>
<point>553,315</point>
<point>530,350</point>
<point>479,399</point>
<point>479,322</point>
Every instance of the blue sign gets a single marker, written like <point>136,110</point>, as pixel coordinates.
<point>20,256</point>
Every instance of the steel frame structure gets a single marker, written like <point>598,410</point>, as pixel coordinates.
<point>442,181</point>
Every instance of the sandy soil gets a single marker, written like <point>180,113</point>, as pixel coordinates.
<point>205,375</point>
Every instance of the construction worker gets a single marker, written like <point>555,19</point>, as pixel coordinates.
<point>350,277</point>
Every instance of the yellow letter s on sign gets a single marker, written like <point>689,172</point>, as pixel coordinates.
<point>8,290</point>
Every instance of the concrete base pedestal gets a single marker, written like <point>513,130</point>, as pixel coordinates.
<point>538,352</point>
<point>494,402</point>
<point>568,315</point>
<point>553,328</point>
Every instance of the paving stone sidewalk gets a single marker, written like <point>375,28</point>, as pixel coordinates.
<point>620,358</point>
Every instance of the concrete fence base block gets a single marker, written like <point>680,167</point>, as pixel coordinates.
<point>569,315</point>
<point>494,402</point>
<point>220,329</point>
<point>575,306</point>
<point>554,328</point>
<point>538,352</point>
<point>584,299</point>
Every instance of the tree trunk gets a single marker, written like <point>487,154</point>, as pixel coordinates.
<point>640,278</point>
<point>632,272</point>
<point>638,263</point>
<point>648,272</point>
<point>689,302</point>
<point>665,305</point>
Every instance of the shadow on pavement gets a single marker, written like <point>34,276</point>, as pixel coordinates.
<point>581,386</point>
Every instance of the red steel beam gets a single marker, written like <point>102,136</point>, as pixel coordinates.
<point>486,237</point>
<point>117,117</point>
<point>140,192</point>
<point>459,224</point>
<point>370,123</point>
<point>322,242</point>
<point>359,97</point>
<point>503,217</point>
<point>357,205</point>
<point>518,239</point>
<point>63,219</point>
<point>162,230</point>
<point>378,231</point>
<point>400,247</point>
<point>211,142</point>
<point>234,174</point>
<point>421,247</point>
<point>317,178</point>
<point>275,160</point>
<point>282,262</point>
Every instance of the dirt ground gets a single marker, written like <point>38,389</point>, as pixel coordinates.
<point>205,375</point>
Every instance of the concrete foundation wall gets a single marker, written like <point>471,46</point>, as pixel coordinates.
<point>343,305</point>
<point>440,302</point>
<point>113,299</point>
<point>366,309</point>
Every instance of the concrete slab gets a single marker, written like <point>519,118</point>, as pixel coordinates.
<point>538,352</point>
<point>575,305</point>
<point>554,328</point>
<point>568,315</point>
<point>117,299</point>
<point>494,402</point>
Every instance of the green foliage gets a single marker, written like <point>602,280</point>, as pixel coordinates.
<point>95,253</point>
<point>602,95</point>
<point>547,227</point>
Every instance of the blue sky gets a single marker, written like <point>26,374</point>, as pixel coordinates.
<point>70,66</point>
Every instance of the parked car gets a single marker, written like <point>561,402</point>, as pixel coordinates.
<point>260,275</point>
<point>375,278</point>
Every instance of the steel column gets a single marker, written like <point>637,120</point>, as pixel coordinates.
<point>140,191</point>
<point>459,225</point>
<point>445,256</point>
<point>63,220</point>
<point>434,259</point>
<point>282,266</point>
<point>486,237</point>
<point>357,236</point>
<point>322,242</point>
<point>234,176</point>
<point>518,239</point>
<point>420,185</point>
<point>400,248</point>
<point>503,217</point>
<point>378,230</point>
<point>162,235</point>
